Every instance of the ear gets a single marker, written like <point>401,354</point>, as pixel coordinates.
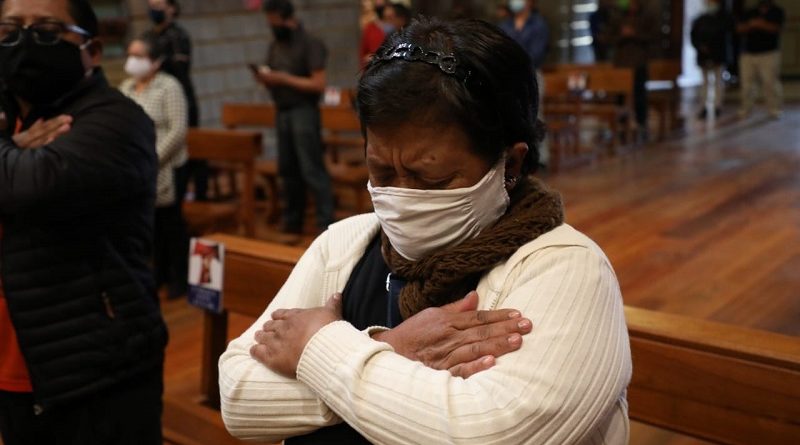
<point>95,51</point>
<point>515,157</point>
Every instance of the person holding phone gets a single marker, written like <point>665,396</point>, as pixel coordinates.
<point>296,79</point>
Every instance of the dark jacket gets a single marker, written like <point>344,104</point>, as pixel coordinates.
<point>712,36</point>
<point>77,220</point>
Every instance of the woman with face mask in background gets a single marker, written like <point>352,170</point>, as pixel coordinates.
<point>464,309</point>
<point>175,44</point>
<point>161,97</point>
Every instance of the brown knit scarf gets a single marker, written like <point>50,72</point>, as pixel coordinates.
<point>448,275</point>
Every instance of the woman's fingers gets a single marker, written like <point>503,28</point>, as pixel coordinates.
<point>495,346</point>
<point>466,370</point>
<point>466,320</point>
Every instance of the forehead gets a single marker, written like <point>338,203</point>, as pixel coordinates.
<point>158,4</point>
<point>137,47</point>
<point>34,10</point>
<point>435,143</point>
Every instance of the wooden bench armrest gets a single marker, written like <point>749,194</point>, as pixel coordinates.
<point>718,382</point>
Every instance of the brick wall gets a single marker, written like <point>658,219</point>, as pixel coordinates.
<point>227,37</point>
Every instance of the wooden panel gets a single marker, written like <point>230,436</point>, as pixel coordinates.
<point>340,119</point>
<point>237,151</point>
<point>664,69</point>
<point>236,115</point>
<point>223,145</point>
<point>714,381</point>
<point>254,272</point>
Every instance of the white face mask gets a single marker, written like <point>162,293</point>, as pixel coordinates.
<point>138,67</point>
<point>418,222</point>
<point>516,6</point>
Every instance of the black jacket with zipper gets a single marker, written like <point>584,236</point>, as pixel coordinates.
<point>77,218</point>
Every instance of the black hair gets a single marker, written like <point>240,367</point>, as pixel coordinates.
<point>154,50</point>
<point>496,105</point>
<point>401,11</point>
<point>84,16</point>
<point>282,7</point>
<point>176,6</point>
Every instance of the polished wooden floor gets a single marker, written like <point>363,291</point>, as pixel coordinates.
<point>706,224</point>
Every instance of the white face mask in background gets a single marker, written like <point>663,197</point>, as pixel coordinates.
<point>418,222</point>
<point>516,6</point>
<point>138,67</point>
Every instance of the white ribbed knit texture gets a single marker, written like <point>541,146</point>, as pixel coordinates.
<point>565,385</point>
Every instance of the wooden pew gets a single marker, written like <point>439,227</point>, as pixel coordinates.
<point>254,272</point>
<point>342,138</point>
<point>665,101</point>
<point>712,381</point>
<point>237,152</point>
<point>238,115</point>
<point>563,112</point>
<point>605,83</point>
<point>344,145</point>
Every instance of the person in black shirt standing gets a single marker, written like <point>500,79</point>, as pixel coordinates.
<point>295,76</point>
<point>761,57</point>
<point>711,35</point>
<point>175,44</point>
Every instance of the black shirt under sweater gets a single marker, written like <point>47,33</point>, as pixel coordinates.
<point>365,304</point>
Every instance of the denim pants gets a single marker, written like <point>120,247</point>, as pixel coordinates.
<point>301,165</point>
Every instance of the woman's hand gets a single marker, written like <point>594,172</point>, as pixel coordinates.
<point>281,341</point>
<point>43,132</point>
<point>455,337</point>
<point>458,338</point>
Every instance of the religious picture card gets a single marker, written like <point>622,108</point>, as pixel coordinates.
<point>206,266</point>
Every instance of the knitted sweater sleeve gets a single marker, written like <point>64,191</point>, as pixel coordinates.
<point>565,385</point>
<point>256,403</point>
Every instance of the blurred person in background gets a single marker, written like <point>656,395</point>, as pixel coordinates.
<point>162,98</point>
<point>633,30</point>
<point>530,30</point>
<point>174,42</point>
<point>374,31</point>
<point>760,60</point>
<point>711,35</point>
<point>598,23</point>
<point>397,15</point>
<point>295,76</point>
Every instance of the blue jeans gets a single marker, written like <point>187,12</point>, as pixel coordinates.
<point>301,164</point>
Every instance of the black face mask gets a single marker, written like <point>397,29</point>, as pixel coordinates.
<point>158,16</point>
<point>282,33</point>
<point>41,74</point>
<point>379,11</point>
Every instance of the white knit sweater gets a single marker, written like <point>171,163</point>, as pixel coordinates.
<point>565,385</point>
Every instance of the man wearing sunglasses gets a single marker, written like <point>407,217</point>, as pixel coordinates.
<point>81,336</point>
